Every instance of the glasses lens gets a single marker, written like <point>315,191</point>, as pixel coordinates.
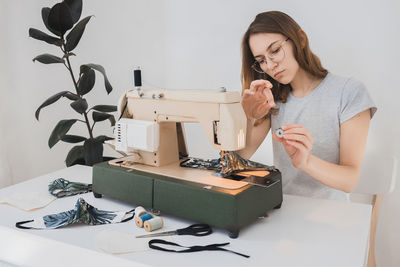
<point>256,67</point>
<point>277,53</point>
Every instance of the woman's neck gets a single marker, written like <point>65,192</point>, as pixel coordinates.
<point>304,83</point>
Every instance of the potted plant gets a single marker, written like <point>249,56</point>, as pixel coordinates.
<point>62,20</point>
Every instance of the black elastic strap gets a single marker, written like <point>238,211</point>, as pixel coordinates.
<point>19,225</point>
<point>130,218</point>
<point>191,249</point>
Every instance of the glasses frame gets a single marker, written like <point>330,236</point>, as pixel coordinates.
<point>256,64</point>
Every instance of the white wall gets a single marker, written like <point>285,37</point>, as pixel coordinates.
<point>190,44</point>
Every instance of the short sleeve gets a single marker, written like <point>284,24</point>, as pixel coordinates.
<point>355,99</point>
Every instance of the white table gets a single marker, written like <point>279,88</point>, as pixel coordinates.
<point>304,232</point>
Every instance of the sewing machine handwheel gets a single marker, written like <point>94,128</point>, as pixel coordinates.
<point>234,234</point>
<point>96,195</point>
<point>278,207</point>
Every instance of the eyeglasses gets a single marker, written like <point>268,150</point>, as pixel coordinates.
<point>275,53</point>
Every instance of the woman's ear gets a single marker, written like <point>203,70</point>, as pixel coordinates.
<point>303,38</point>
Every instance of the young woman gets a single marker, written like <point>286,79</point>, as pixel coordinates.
<point>325,118</point>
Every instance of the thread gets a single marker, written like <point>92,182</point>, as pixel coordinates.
<point>153,224</point>
<point>141,219</point>
<point>139,211</point>
<point>137,74</point>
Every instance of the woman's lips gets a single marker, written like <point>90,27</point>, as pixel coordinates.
<point>278,74</point>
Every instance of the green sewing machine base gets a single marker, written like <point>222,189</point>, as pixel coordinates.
<point>222,208</point>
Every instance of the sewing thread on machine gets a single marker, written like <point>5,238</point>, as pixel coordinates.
<point>139,221</point>
<point>153,224</point>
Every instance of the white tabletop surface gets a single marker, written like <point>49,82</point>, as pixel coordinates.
<point>304,232</point>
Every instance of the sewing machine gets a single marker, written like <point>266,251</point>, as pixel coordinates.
<point>152,135</point>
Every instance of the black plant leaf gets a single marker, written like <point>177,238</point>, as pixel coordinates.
<point>48,59</point>
<point>39,35</point>
<point>60,18</point>
<point>72,96</point>
<point>99,116</point>
<point>68,54</point>
<point>80,105</point>
<point>74,36</point>
<point>45,17</point>
<point>93,151</point>
<point>103,138</point>
<point>102,70</point>
<point>76,9</point>
<point>54,98</point>
<point>60,130</point>
<point>73,138</point>
<point>86,81</point>
<point>75,154</point>
<point>105,108</point>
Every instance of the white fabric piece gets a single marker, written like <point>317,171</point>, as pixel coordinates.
<point>28,201</point>
<point>120,243</point>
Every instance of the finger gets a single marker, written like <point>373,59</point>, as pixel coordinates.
<point>302,131</point>
<point>270,97</point>
<point>247,93</point>
<point>297,145</point>
<point>300,139</point>
<point>290,126</point>
<point>259,85</point>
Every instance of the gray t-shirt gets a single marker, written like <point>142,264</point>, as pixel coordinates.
<point>334,101</point>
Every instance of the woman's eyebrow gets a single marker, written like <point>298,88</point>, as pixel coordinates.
<point>267,48</point>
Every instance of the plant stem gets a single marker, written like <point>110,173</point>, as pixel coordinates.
<point>76,88</point>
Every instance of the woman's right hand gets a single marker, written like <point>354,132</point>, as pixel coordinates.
<point>258,99</point>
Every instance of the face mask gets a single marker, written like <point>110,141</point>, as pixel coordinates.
<point>229,164</point>
<point>83,213</point>
<point>63,188</point>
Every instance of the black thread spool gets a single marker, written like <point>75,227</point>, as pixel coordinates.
<point>137,75</point>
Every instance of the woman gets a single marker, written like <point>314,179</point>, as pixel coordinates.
<point>325,118</point>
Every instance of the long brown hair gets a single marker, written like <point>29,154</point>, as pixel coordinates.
<point>278,22</point>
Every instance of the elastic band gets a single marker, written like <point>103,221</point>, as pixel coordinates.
<point>191,249</point>
<point>19,225</point>
<point>129,218</point>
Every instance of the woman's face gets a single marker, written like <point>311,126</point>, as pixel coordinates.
<point>270,47</point>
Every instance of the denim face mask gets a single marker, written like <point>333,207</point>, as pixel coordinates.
<point>64,188</point>
<point>229,164</point>
<point>82,213</point>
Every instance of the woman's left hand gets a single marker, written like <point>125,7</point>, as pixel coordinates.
<point>297,142</point>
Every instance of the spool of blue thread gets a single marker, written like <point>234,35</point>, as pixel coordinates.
<point>141,219</point>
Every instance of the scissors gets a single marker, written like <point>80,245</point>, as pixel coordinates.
<point>199,229</point>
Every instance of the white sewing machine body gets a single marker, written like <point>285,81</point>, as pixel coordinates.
<point>152,131</point>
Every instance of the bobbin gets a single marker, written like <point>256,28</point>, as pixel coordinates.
<point>279,132</point>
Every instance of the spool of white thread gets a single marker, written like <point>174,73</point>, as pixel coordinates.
<point>139,211</point>
<point>153,224</point>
